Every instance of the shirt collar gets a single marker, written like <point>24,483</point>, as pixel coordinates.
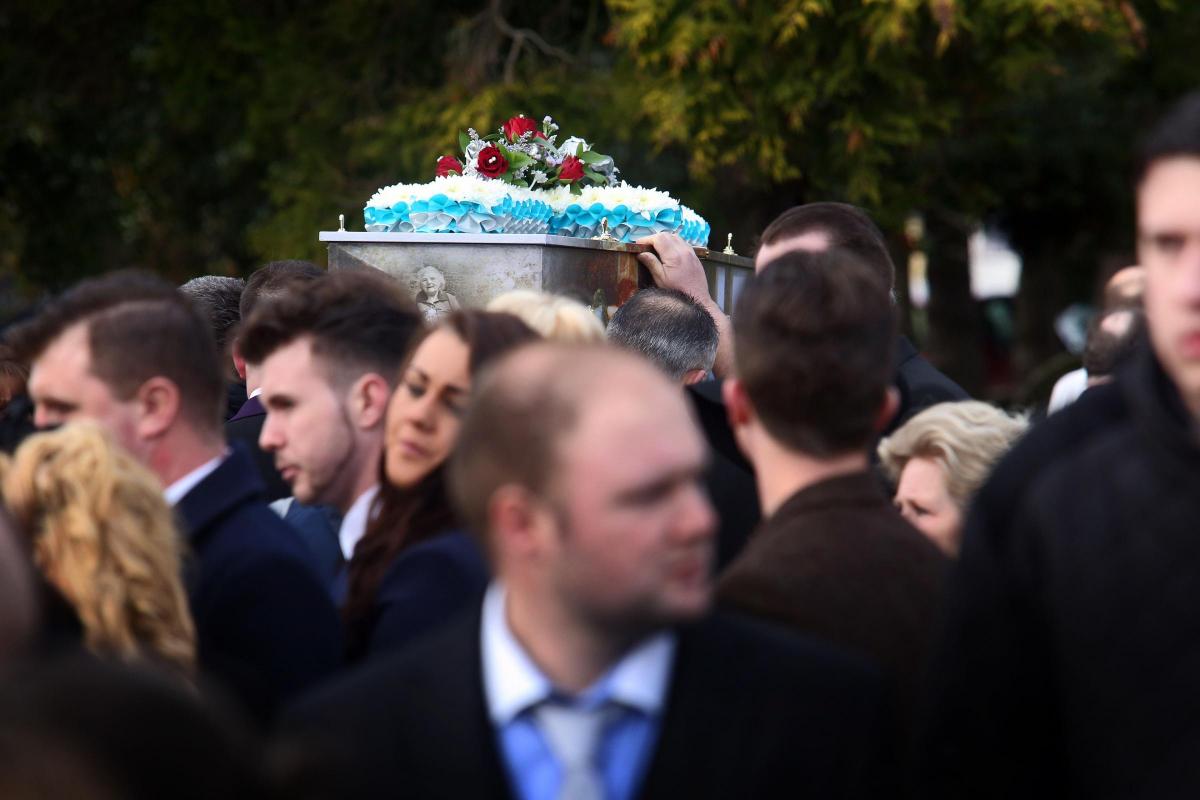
<point>255,393</point>
<point>513,683</point>
<point>354,524</point>
<point>179,489</point>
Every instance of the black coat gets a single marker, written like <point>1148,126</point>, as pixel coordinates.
<point>749,713</point>
<point>427,586</point>
<point>265,625</point>
<point>246,426</point>
<point>1070,664</point>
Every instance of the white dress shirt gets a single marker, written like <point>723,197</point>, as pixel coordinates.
<point>179,489</point>
<point>513,683</point>
<point>354,524</point>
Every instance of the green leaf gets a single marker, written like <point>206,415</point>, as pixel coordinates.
<point>463,141</point>
<point>591,157</point>
<point>594,176</point>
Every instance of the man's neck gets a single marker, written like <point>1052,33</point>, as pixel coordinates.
<point>181,453</point>
<point>782,472</point>
<point>253,379</point>
<point>364,474</point>
<point>572,655</point>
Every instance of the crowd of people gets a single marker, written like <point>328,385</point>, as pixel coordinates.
<point>295,536</point>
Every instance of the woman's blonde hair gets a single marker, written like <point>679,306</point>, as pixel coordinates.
<point>965,438</point>
<point>556,318</point>
<point>104,536</point>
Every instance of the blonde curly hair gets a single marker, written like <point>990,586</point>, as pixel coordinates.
<point>103,535</point>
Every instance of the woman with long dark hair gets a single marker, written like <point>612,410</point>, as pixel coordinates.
<point>407,573</point>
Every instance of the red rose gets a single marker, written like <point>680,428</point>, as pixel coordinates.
<point>571,170</point>
<point>448,165</point>
<point>520,125</point>
<point>491,162</point>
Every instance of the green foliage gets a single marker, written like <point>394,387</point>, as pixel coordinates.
<point>194,138</point>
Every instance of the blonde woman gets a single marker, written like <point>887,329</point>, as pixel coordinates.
<point>103,535</point>
<point>554,317</point>
<point>940,458</point>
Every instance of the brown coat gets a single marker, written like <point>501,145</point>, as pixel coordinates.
<point>837,562</point>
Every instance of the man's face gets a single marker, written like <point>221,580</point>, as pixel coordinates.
<point>812,242</point>
<point>636,539</point>
<point>63,389</point>
<point>308,426</point>
<point>1169,250</point>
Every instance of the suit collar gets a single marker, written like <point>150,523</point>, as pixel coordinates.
<point>231,484</point>
<point>905,351</point>
<point>253,407</point>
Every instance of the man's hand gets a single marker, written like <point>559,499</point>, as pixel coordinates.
<point>674,265</point>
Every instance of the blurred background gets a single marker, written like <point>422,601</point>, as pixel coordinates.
<point>991,139</point>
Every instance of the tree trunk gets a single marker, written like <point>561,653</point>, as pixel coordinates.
<point>955,343</point>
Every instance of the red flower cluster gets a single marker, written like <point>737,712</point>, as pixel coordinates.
<point>449,165</point>
<point>491,162</point>
<point>571,170</point>
<point>515,127</point>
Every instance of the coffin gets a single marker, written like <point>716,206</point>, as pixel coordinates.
<point>474,268</point>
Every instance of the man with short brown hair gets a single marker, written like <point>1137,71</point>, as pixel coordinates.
<point>130,352</point>
<point>329,357</point>
<point>832,557</point>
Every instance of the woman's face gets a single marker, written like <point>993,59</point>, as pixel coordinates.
<point>426,409</point>
<point>431,283</point>
<point>923,500</point>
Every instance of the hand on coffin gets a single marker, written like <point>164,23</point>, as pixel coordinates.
<point>674,265</point>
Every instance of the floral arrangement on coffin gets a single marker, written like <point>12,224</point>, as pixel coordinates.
<point>520,180</point>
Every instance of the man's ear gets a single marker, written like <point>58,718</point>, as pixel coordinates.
<point>519,522</point>
<point>888,409</point>
<point>738,407</point>
<point>742,416</point>
<point>369,397</point>
<point>239,363</point>
<point>159,404</point>
<point>694,376</point>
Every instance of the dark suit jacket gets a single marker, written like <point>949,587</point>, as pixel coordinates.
<point>245,427</point>
<point>837,562</point>
<point>749,713</point>
<point>729,478</point>
<point>427,586</point>
<point>920,384</point>
<point>235,398</point>
<point>265,626</point>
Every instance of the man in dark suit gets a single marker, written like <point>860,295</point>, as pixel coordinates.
<point>1068,662</point>
<point>267,282</point>
<point>128,351</point>
<point>833,558</point>
<point>327,359</point>
<point>592,669</point>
